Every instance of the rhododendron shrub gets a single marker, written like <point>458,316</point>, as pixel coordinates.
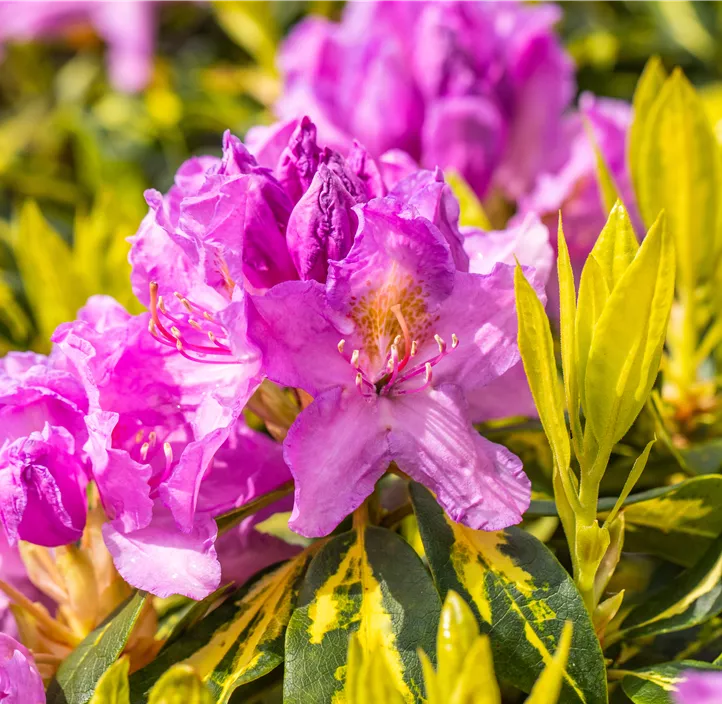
<point>366,443</point>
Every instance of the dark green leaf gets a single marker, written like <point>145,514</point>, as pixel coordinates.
<point>82,669</point>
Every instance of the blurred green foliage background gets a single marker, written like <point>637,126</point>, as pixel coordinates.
<point>76,156</point>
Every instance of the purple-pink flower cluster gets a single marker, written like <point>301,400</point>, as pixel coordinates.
<point>329,274</point>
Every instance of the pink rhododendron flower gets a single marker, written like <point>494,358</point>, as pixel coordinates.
<point>20,681</point>
<point>416,77</point>
<point>127,28</point>
<point>42,463</point>
<point>156,420</point>
<point>391,347</point>
<point>699,687</point>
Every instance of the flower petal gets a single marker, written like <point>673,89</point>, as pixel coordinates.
<point>336,451</point>
<point>164,561</point>
<point>477,482</point>
<point>298,335</point>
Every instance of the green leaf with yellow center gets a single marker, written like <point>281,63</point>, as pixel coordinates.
<point>240,641</point>
<point>656,685</point>
<point>521,596</point>
<point>681,524</point>
<point>694,597</point>
<point>368,582</point>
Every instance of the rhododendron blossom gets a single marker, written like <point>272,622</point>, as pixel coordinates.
<point>390,348</point>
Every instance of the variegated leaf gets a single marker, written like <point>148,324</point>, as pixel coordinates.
<point>368,582</point>
<point>522,597</point>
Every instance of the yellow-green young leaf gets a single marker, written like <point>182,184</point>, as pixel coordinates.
<point>112,687</point>
<point>12,315</point>
<point>567,318</point>
<point>593,294</point>
<point>616,246</point>
<point>648,88</point>
<point>548,687</point>
<point>53,287</point>
<point>472,211</point>
<point>605,612</point>
<point>608,189</point>
<point>431,684</point>
<point>458,631</point>
<point>369,675</point>
<point>180,685</point>
<point>628,338</point>
<point>367,581</point>
<point>477,683</point>
<point>520,595</point>
<point>537,353</point>
<point>609,562</point>
<point>680,524</point>
<point>241,640</point>
<point>679,174</point>
<point>639,464</point>
<point>253,27</point>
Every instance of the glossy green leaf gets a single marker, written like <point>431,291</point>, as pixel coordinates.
<point>692,598</point>
<point>81,671</point>
<point>678,173</point>
<point>112,687</point>
<point>656,685</point>
<point>680,524</point>
<point>628,338</point>
<point>521,595</point>
<point>537,352</point>
<point>240,641</point>
<point>648,88</point>
<point>367,581</point>
<point>181,684</point>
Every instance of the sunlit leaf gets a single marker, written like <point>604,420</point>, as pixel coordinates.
<point>367,581</point>
<point>656,685</point>
<point>521,596</point>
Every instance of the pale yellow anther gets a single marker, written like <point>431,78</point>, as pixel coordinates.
<point>414,348</point>
<point>341,345</point>
<point>151,438</point>
<point>397,340</point>
<point>354,358</point>
<point>428,372</point>
<point>184,301</point>
<point>139,436</point>
<point>454,341</point>
<point>359,379</point>
<point>175,332</point>
<point>208,316</point>
<point>179,346</point>
<point>168,452</point>
<point>144,451</point>
<point>440,343</point>
<point>211,336</point>
<point>161,304</point>
<point>195,324</point>
<point>151,327</point>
